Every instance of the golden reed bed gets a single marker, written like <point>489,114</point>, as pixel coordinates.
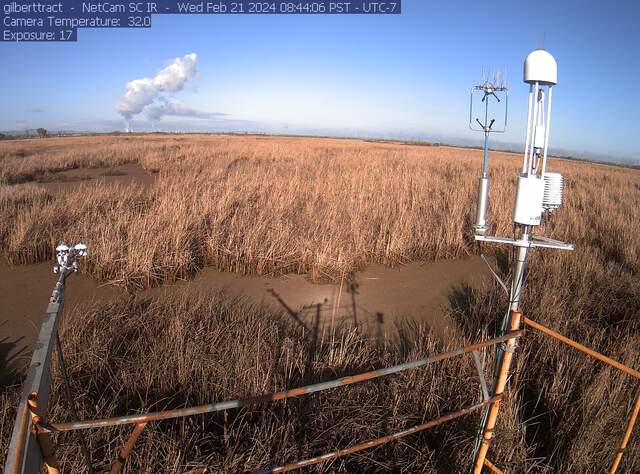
<point>325,207</point>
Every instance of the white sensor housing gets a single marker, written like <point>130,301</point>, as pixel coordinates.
<point>528,209</point>
<point>541,67</point>
<point>553,187</point>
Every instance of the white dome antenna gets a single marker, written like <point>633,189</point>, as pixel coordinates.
<point>541,73</point>
<point>540,66</point>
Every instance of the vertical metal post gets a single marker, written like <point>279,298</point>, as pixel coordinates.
<point>485,159</point>
<point>505,357</point>
<point>627,435</point>
<point>518,273</point>
<point>483,184</point>
<point>494,408</point>
<point>127,448</point>
<point>529,156</point>
<point>546,132</point>
<point>47,447</point>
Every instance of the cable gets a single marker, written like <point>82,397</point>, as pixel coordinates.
<point>499,349</point>
<point>495,275</point>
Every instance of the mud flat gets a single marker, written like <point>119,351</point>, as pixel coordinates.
<point>375,300</point>
<point>24,294</point>
<point>64,181</point>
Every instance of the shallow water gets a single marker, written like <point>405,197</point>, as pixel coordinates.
<point>376,300</point>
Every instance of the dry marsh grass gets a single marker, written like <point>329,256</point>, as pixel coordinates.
<point>279,205</point>
<point>193,348</point>
<point>327,208</point>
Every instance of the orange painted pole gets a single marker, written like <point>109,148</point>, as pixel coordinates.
<point>127,448</point>
<point>23,431</point>
<point>501,383</point>
<point>47,447</point>
<point>627,435</point>
<point>581,348</point>
<point>492,467</point>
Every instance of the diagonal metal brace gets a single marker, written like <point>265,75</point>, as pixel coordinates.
<point>480,368</point>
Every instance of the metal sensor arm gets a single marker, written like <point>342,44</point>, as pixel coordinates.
<point>542,242</point>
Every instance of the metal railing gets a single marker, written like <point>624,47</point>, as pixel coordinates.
<point>32,445</point>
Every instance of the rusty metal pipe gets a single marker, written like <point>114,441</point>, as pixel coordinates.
<point>581,348</point>
<point>21,435</point>
<point>127,448</point>
<point>627,435</point>
<point>492,467</point>
<point>47,447</point>
<point>282,395</point>
<point>379,441</point>
<point>500,385</point>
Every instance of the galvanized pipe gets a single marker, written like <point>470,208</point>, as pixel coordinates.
<point>282,395</point>
<point>518,275</point>
<point>503,361</point>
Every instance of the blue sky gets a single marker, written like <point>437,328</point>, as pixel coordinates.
<point>402,75</point>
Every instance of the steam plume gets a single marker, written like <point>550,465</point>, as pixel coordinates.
<point>144,95</point>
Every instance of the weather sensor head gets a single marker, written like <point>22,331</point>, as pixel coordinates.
<point>538,191</point>
<point>541,67</point>
<point>66,257</point>
<point>488,98</point>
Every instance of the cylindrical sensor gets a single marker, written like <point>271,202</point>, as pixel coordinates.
<point>483,203</point>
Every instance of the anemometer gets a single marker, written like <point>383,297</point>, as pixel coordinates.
<point>493,90</point>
